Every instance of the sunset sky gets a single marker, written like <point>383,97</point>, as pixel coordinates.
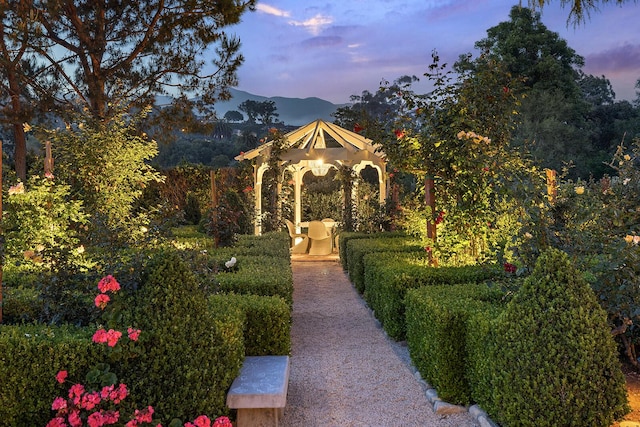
<point>332,49</point>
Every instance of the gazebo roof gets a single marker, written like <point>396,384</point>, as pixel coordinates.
<point>321,140</point>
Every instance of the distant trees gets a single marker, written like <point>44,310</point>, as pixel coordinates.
<point>233,116</point>
<point>259,112</point>
<point>104,57</point>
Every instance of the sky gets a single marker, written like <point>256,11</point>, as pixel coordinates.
<point>332,49</point>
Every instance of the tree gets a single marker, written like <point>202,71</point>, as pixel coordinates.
<point>233,116</point>
<point>580,9</point>
<point>553,115</point>
<point>105,55</point>
<point>263,112</point>
<point>15,28</point>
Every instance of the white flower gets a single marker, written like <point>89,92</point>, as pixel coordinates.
<point>231,262</point>
<point>626,181</point>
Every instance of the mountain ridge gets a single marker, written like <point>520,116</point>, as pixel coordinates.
<point>291,111</point>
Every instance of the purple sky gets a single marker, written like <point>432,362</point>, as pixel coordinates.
<point>333,49</point>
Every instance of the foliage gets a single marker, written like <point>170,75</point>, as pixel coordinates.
<point>439,319</point>
<point>41,224</point>
<point>390,275</point>
<point>580,9</point>
<point>106,166</point>
<point>32,355</point>
<point>551,368</point>
<point>267,324</point>
<point>596,223</point>
<point>182,383</point>
<point>228,219</point>
<point>264,112</point>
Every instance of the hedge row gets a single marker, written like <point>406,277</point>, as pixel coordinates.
<point>545,358</point>
<point>345,236</point>
<point>388,277</point>
<point>358,248</point>
<point>439,321</point>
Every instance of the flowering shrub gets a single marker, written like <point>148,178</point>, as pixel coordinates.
<point>96,404</point>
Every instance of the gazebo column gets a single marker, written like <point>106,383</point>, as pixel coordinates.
<point>297,211</point>
<point>382,182</point>
<point>259,172</point>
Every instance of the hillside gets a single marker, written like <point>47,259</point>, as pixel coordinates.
<point>292,111</point>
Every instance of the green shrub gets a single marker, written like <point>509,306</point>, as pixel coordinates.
<point>274,243</point>
<point>345,236</point>
<point>388,276</point>
<point>437,329</point>
<point>259,275</point>
<point>267,322</point>
<point>20,305</point>
<point>30,358</point>
<point>557,363</point>
<point>191,353</point>
<point>358,248</point>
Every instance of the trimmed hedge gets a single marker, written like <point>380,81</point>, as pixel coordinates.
<point>267,322</point>
<point>557,363</point>
<point>259,275</point>
<point>388,277</point>
<point>358,248</point>
<point>191,353</point>
<point>21,305</point>
<point>346,236</point>
<point>438,321</point>
<point>30,358</point>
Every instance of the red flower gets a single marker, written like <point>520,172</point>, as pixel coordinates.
<point>133,334</point>
<point>357,128</point>
<point>222,422</point>
<point>509,268</point>
<point>57,422</point>
<point>505,89</point>
<point>59,404</point>
<point>439,218</point>
<point>90,401</point>
<point>108,283</point>
<point>61,376</point>
<point>399,133</point>
<point>101,301</point>
<point>427,248</point>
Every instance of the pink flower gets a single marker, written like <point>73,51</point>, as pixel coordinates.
<point>61,376</point>
<point>202,421</point>
<point>59,404</point>
<point>108,283</point>
<point>222,422</point>
<point>134,334</point>
<point>57,422</point>
<point>74,419</point>
<point>100,336</point>
<point>95,420</point>
<point>48,175</point>
<point>105,393</point>
<point>76,391</point>
<point>144,416</point>
<point>120,393</point>
<point>101,301</point>
<point>90,401</point>
<point>16,189</point>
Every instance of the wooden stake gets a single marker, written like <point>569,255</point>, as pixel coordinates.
<point>1,230</point>
<point>48,158</point>
<point>552,185</point>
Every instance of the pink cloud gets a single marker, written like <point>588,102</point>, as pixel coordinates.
<point>620,58</point>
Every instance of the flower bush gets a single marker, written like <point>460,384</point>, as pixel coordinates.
<point>96,403</point>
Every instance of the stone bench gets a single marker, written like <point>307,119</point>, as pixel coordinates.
<point>259,393</point>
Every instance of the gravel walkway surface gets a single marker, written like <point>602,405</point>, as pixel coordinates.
<point>344,369</point>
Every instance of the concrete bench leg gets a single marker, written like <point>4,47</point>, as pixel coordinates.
<point>259,417</point>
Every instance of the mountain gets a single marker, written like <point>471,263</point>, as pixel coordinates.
<point>291,111</point>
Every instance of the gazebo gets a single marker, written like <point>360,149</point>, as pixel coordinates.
<point>316,147</point>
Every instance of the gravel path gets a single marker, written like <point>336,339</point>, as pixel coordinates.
<point>344,369</point>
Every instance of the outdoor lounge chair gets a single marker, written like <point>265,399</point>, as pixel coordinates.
<point>300,247</point>
<point>320,239</point>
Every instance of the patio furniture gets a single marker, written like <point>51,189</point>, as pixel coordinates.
<point>320,239</point>
<point>299,247</point>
